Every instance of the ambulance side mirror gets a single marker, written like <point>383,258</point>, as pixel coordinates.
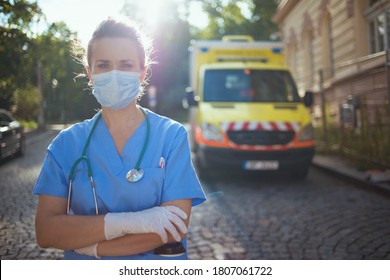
<point>190,99</point>
<point>308,99</point>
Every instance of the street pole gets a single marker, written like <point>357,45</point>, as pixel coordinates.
<point>41,114</point>
<point>323,108</point>
<point>387,66</point>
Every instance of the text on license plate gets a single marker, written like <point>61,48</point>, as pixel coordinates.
<point>261,165</point>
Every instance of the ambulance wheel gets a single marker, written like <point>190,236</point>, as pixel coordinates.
<point>299,174</point>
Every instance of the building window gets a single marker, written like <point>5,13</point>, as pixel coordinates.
<point>309,59</point>
<point>307,38</point>
<point>327,45</point>
<point>292,53</point>
<point>378,17</point>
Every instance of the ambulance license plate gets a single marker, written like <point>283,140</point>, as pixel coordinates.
<point>261,165</point>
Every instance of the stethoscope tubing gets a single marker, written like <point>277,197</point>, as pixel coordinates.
<point>83,157</point>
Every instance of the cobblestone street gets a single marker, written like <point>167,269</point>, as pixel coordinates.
<point>245,217</point>
<point>273,218</point>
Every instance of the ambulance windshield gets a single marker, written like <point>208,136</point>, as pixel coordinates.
<point>249,86</point>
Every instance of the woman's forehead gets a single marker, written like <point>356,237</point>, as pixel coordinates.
<point>114,49</point>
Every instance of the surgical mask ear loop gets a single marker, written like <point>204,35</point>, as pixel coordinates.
<point>89,169</point>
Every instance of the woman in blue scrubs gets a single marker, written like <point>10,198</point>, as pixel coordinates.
<point>117,214</point>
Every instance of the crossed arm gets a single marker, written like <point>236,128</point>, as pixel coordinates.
<point>54,228</point>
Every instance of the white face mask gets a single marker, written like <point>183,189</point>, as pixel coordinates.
<point>116,89</point>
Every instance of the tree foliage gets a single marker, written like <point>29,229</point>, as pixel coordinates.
<point>15,47</point>
<point>64,98</point>
<point>239,17</point>
<point>18,13</point>
<point>27,101</point>
<point>27,57</point>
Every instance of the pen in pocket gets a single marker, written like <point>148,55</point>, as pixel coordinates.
<point>161,164</point>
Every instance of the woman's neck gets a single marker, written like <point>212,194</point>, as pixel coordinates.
<point>123,118</point>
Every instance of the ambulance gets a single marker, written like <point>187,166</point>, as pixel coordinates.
<point>245,112</point>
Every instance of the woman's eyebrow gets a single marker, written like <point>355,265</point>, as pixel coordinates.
<point>102,60</point>
<point>127,60</point>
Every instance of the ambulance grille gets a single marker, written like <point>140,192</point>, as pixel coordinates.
<point>263,138</point>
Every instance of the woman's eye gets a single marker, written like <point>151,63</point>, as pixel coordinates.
<point>128,66</point>
<point>102,66</point>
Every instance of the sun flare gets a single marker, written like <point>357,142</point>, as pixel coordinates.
<point>153,12</point>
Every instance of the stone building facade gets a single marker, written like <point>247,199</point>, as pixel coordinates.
<point>345,42</point>
<point>338,49</point>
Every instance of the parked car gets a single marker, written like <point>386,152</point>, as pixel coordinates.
<point>12,140</point>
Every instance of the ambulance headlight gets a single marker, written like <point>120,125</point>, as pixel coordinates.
<point>211,132</point>
<point>306,134</point>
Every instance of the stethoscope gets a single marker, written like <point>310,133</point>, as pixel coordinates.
<point>134,175</point>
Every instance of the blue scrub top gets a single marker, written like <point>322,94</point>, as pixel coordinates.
<point>177,180</point>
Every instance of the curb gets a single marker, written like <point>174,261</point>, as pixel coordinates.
<point>354,176</point>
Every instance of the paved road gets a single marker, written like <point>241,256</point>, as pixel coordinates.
<point>245,217</point>
<point>17,204</point>
<point>274,218</point>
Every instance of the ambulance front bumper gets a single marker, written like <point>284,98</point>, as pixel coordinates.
<point>255,160</point>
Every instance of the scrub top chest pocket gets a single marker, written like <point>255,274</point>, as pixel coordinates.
<point>143,194</point>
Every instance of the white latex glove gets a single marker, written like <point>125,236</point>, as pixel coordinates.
<point>160,220</point>
<point>89,251</point>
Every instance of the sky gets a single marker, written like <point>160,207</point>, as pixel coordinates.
<point>82,16</point>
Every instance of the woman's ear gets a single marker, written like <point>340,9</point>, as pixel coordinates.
<point>88,74</point>
<point>143,74</point>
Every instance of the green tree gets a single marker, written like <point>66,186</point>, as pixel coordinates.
<point>15,47</point>
<point>18,13</point>
<point>65,98</point>
<point>239,17</point>
<point>27,101</point>
<point>263,27</point>
<point>46,58</point>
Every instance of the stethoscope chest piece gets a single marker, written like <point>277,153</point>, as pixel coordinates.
<point>134,175</point>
